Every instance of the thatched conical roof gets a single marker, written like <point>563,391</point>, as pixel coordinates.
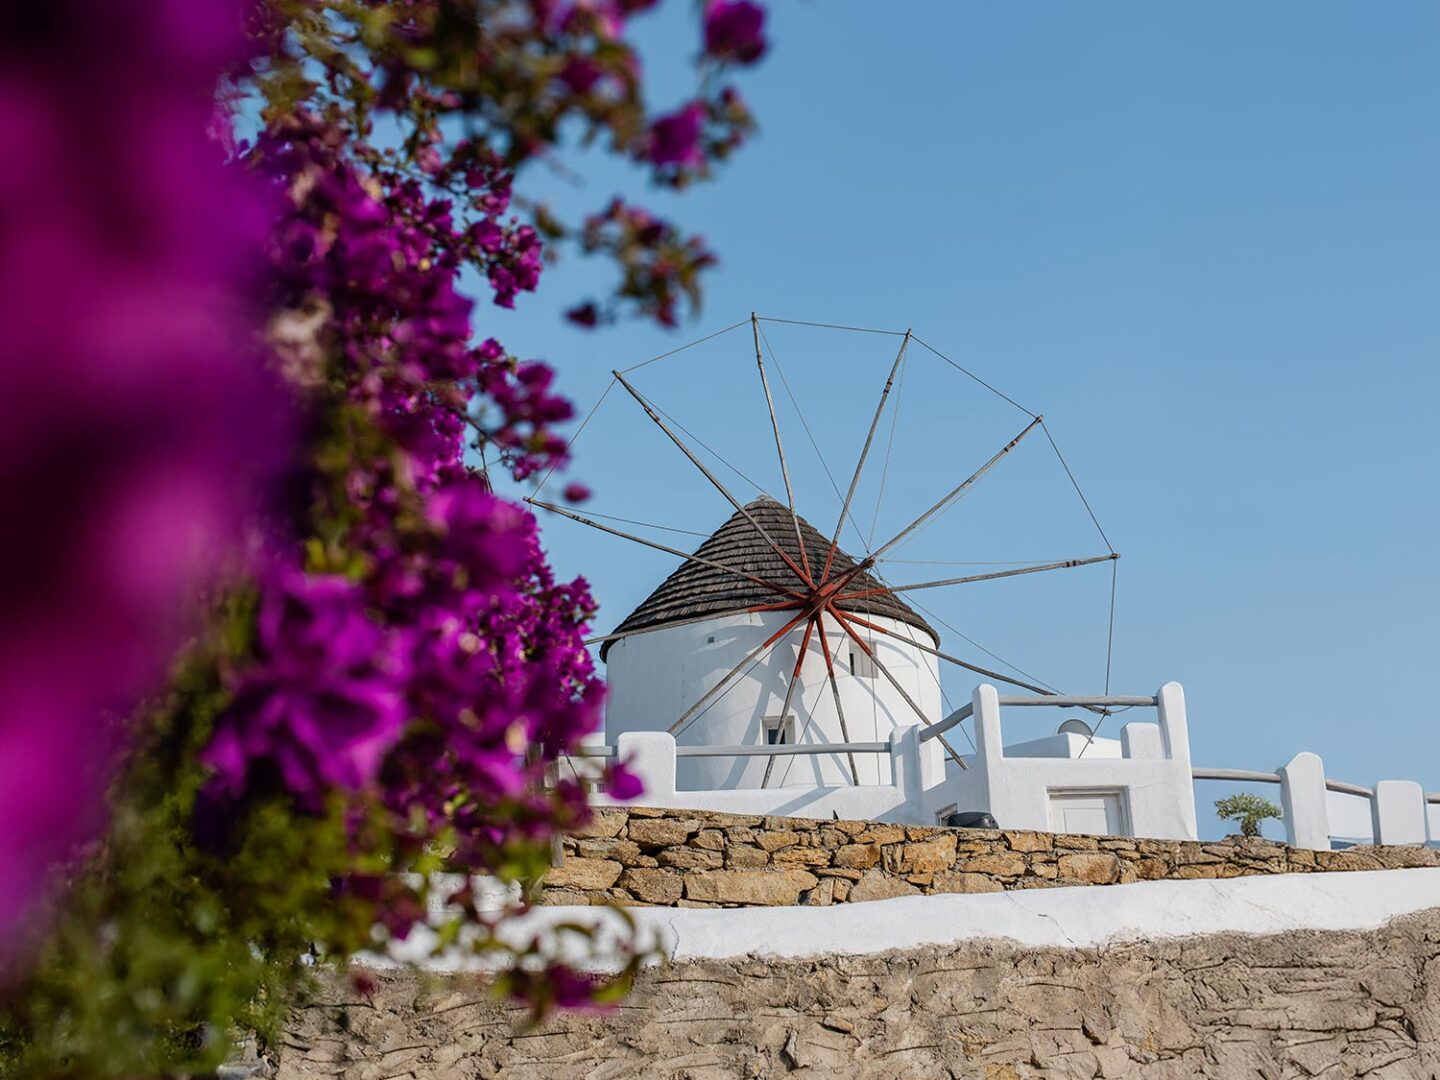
<point>696,590</point>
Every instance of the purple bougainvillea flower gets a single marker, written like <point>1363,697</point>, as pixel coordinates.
<point>586,315</point>
<point>580,74</point>
<point>624,784</point>
<point>734,31</point>
<point>323,700</point>
<point>675,139</point>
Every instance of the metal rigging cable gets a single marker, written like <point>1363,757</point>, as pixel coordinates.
<point>832,326</point>
<point>569,443</point>
<point>682,348</point>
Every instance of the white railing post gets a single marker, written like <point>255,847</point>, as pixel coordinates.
<point>1175,734</point>
<point>1398,812</point>
<point>985,706</point>
<point>650,755</point>
<point>1302,796</point>
<point>907,765</point>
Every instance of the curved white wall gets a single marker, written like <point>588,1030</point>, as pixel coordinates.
<point>655,677</point>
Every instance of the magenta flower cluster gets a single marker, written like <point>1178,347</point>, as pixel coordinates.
<point>136,422</point>
<point>444,677</point>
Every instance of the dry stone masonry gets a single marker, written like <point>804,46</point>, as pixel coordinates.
<point>681,858</point>
<point>1225,1006</point>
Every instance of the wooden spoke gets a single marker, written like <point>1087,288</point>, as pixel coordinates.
<point>864,453</point>
<point>958,492</point>
<point>835,692</point>
<point>858,620</point>
<point>650,412</point>
<point>1066,565</point>
<point>573,516</point>
<point>780,450</point>
<point>789,693</point>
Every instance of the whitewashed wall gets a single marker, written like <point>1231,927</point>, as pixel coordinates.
<point>1152,767</point>
<point>655,677</point>
<point>1152,773</point>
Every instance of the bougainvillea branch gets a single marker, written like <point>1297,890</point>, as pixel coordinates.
<point>255,406</point>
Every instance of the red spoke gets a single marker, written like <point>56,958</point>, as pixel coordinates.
<point>782,605</point>
<point>825,648</point>
<point>783,630</point>
<point>804,645</point>
<point>852,617</point>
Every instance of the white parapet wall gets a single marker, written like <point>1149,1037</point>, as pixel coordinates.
<point>651,755</point>
<point>1147,772</point>
<point>1054,918</point>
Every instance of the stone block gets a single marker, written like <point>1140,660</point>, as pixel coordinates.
<point>583,874</point>
<point>1198,871</point>
<point>709,839</point>
<point>743,855</point>
<point>1028,841</point>
<point>625,851</point>
<point>603,823</point>
<point>822,895</point>
<point>1003,863</point>
<point>1091,868</point>
<point>801,856</point>
<point>927,856</point>
<point>686,858</point>
<point>953,881</point>
<point>764,888</point>
<point>564,897</point>
<point>857,856</point>
<point>882,834</point>
<point>892,858</point>
<point>653,886</point>
<point>774,841</point>
<point>878,885</point>
<point>662,832</point>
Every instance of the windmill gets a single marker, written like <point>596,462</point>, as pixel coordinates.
<point>770,633</point>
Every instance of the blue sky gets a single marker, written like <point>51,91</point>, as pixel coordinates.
<point>1202,239</point>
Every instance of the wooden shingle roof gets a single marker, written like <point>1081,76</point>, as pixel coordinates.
<point>696,590</point>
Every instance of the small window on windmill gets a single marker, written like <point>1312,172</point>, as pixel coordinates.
<point>862,666</point>
<point>779,730</point>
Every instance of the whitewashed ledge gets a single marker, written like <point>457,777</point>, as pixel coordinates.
<point>1063,918</point>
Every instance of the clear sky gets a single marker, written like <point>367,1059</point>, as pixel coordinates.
<point>1203,239</point>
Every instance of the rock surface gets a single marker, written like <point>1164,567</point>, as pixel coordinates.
<point>874,861</point>
<point>1305,1004</point>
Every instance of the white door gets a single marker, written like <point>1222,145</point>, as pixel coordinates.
<point>1097,813</point>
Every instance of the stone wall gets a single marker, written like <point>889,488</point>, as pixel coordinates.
<point>1301,1004</point>
<point>700,859</point>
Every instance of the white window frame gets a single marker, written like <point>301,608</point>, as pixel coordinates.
<point>861,665</point>
<point>784,726</point>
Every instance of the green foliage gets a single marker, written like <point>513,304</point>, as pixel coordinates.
<point>1248,810</point>
<point>162,949</point>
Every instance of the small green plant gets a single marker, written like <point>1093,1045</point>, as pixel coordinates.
<point>1248,810</point>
